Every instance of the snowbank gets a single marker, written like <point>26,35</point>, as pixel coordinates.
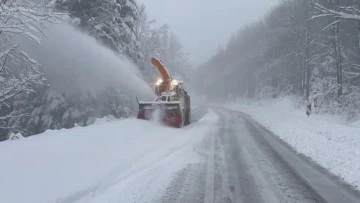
<point>106,119</point>
<point>327,140</point>
<point>120,161</point>
<point>16,136</point>
<point>356,124</point>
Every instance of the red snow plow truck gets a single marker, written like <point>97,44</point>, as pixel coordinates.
<point>172,104</point>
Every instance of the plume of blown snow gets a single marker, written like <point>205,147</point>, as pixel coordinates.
<point>73,61</point>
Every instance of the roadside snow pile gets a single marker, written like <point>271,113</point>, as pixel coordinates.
<point>120,161</point>
<point>326,139</point>
<point>106,119</point>
<point>16,136</point>
<point>356,124</point>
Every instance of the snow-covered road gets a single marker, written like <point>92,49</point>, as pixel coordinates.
<point>246,163</point>
<point>224,156</point>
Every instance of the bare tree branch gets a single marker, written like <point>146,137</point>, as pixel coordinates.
<point>18,71</point>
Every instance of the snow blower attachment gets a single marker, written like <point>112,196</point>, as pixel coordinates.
<point>172,100</point>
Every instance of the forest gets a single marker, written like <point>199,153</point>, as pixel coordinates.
<point>304,48</point>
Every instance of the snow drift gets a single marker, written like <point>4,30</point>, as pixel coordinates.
<point>114,161</point>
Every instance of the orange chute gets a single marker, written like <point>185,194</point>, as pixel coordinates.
<point>163,72</point>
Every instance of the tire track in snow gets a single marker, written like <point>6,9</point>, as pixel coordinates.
<point>209,189</point>
<point>203,182</point>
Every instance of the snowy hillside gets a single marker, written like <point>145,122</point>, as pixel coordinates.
<point>113,161</point>
<point>326,139</point>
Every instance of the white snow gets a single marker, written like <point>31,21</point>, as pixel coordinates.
<point>104,120</point>
<point>356,124</point>
<point>16,136</point>
<point>118,161</point>
<point>328,140</point>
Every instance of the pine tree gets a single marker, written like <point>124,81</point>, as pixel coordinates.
<point>113,22</point>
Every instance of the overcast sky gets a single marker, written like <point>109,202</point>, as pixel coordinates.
<point>203,25</point>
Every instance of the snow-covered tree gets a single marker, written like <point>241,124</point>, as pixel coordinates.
<point>47,109</point>
<point>308,48</point>
<point>161,43</point>
<point>113,22</point>
<point>18,72</point>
